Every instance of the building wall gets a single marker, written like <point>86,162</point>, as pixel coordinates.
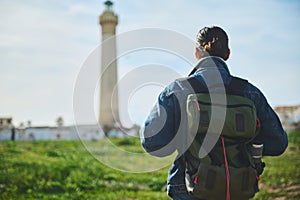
<point>86,132</point>
<point>5,134</point>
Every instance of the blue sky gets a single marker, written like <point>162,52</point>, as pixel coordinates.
<point>44,43</point>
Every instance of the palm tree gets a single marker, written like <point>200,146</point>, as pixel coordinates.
<point>60,121</point>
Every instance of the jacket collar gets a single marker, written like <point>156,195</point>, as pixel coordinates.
<point>211,62</point>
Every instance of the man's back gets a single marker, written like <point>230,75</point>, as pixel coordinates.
<point>164,124</point>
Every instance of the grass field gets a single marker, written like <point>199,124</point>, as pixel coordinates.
<point>66,170</point>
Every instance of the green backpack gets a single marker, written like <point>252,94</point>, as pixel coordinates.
<point>221,127</point>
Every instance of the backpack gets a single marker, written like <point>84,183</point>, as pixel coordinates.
<point>225,168</point>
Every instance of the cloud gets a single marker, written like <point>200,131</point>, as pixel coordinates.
<point>43,44</point>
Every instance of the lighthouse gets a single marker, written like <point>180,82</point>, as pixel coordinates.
<point>109,109</point>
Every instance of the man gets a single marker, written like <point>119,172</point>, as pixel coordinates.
<point>164,124</point>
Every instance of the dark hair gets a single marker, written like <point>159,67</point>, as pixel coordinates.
<point>213,40</point>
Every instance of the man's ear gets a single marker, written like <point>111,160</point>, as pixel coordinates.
<point>227,55</point>
<point>197,54</point>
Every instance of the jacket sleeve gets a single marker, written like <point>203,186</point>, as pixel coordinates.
<point>159,130</point>
<point>271,133</point>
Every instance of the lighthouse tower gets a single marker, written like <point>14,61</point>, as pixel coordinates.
<point>109,109</point>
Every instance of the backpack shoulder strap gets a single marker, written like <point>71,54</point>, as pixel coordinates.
<point>194,85</point>
<point>237,86</point>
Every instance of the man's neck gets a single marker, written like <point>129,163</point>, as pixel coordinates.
<point>209,61</point>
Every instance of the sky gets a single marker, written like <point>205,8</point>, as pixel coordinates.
<point>43,44</point>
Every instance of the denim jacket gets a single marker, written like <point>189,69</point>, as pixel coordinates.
<point>163,123</point>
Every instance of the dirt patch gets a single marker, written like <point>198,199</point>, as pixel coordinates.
<point>292,190</point>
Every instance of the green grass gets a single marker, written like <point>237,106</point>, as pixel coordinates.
<point>66,170</point>
<point>281,178</point>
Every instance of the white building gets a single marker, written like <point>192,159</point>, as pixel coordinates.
<point>289,116</point>
<point>83,132</point>
<point>6,128</point>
